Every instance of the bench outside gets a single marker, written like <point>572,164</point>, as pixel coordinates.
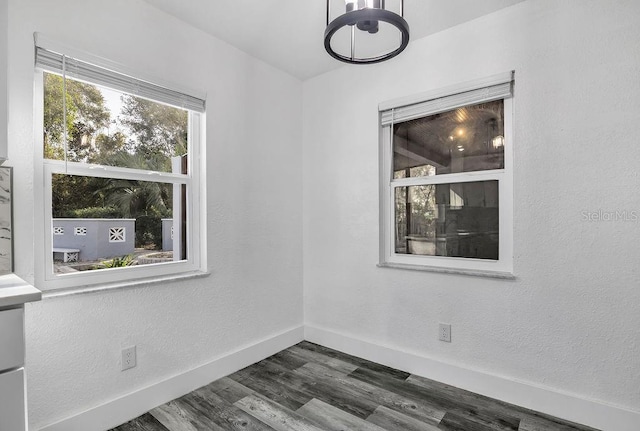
<point>68,254</point>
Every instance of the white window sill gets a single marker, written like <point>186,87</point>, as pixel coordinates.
<point>143,282</point>
<point>456,271</point>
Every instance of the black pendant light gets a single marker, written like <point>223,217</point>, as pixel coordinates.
<point>365,16</point>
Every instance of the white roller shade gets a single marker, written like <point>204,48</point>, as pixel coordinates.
<point>53,62</point>
<point>498,88</point>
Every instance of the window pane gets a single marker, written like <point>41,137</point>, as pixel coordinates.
<point>102,223</point>
<point>111,128</point>
<point>457,220</point>
<point>463,140</point>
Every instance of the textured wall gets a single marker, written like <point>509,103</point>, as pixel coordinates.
<point>570,321</point>
<point>4,35</point>
<point>254,228</point>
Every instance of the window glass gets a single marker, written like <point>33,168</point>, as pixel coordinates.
<point>110,128</point>
<point>446,189</point>
<point>112,223</point>
<point>456,220</point>
<point>466,139</point>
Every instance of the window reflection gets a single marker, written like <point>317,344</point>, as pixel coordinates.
<point>466,139</point>
<point>456,220</point>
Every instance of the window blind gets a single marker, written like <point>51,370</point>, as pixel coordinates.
<point>53,62</point>
<point>499,90</point>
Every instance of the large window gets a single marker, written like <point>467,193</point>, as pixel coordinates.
<point>121,175</point>
<point>446,179</point>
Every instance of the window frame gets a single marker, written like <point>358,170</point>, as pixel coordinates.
<point>195,205</point>
<point>501,268</point>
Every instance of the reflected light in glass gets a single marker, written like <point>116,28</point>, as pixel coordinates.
<point>359,4</point>
<point>498,141</point>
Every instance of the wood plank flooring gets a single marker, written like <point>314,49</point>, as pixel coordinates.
<point>309,387</point>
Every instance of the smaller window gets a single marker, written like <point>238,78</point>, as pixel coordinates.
<point>117,234</point>
<point>446,179</point>
<point>81,231</point>
<point>58,230</point>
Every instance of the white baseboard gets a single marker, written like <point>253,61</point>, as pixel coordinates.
<point>567,406</point>
<point>133,405</point>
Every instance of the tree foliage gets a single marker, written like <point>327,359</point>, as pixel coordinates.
<point>136,198</point>
<point>73,193</point>
<point>86,115</point>
<point>160,130</point>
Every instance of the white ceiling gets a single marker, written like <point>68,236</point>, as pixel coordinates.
<point>288,34</point>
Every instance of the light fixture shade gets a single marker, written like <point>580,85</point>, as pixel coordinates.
<point>364,18</point>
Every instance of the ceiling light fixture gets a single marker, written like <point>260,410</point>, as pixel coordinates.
<point>366,16</point>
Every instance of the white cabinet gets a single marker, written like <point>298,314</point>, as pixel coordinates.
<point>11,339</point>
<point>12,409</point>
<point>14,293</point>
<point>12,399</point>
<point>4,48</point>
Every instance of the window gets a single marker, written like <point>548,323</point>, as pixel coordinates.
<point>446,179</point>
<point>118,155</point>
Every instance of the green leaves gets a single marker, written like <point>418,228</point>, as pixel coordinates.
<point>159,129</point>
<point>86,115</point>
<point>118,262</point>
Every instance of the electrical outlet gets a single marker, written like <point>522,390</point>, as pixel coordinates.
<point>444,332</point>
<point>128,358</point>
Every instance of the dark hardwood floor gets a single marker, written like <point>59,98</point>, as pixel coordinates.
<point>311,388</point>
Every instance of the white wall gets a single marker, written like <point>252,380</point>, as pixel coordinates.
<point>4,34</point>
<point>254,228</point>
<point>570,321</point>
<point>576,149</point>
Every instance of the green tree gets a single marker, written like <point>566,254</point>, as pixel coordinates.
<point>109,149</point>
<point>160,131</point>
<point>53,116</point>
<point>86,115</point>
<point>73,193</point>
<point>136,198</point>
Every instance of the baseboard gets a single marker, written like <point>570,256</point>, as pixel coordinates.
<point>547,400</point>
<point>536,397</point>
<point>134,404</point>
